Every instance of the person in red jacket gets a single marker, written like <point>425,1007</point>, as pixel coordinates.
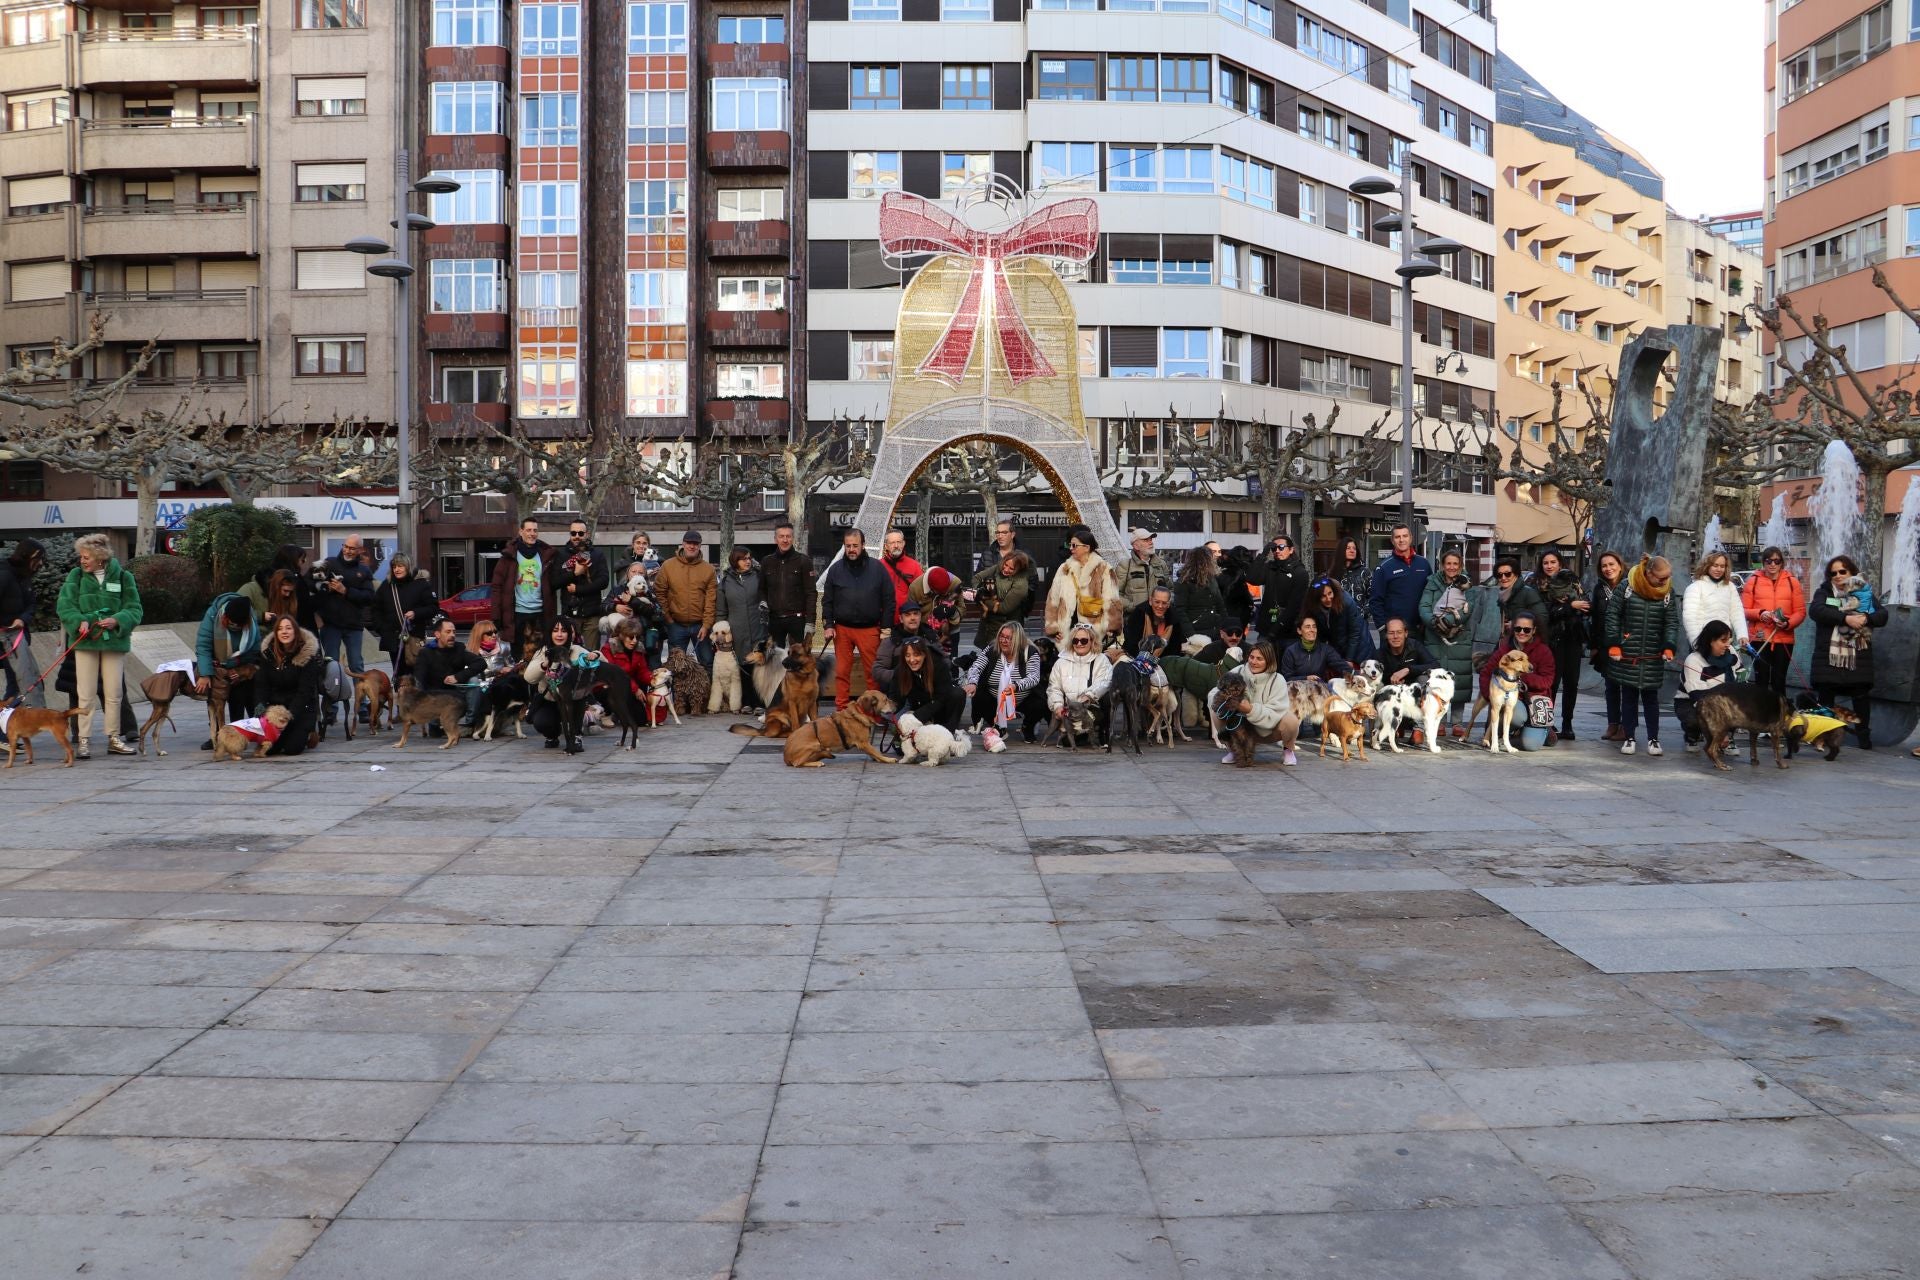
<point>901,567</point>
<point>1775,604</point>
<point>626,651</point>
<point>1525,635</point>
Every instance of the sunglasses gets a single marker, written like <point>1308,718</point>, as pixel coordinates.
<point>1523,631</point>
<point>1773,560</point>
<point>1504,573</point>
<point>1082,641</point>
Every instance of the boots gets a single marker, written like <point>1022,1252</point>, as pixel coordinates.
<point>1863,708</point>
<point>1614,733</point>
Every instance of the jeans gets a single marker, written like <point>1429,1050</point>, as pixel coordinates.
<point>1634,702</point>
<point>332,639</point>
<point>1615,696</point>
<point>845,641</point>
<point>1770,665</point>
<point>680,635</point>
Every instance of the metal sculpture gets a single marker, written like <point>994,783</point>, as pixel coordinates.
<point>1654,464</point>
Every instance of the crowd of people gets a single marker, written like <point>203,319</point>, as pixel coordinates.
<point>896,625</point>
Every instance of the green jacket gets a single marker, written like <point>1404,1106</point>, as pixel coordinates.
<point>84,598</point>
<point>1647,633</point>
<point>1454,652</point>
<point>1013,599</point>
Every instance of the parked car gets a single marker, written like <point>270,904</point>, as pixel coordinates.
<point>469,606</point>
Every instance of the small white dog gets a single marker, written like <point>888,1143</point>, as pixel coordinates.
<point>931,744</point>
<point>1393,705</point>
<point>1435,691</point>
<point>728,689</point>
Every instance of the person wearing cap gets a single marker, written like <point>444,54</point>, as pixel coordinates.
<point>856,602</point>
<point>909,623</point>
<point>1284,590</point>
<point>901,567</point>
<point>1142,571</point>
<point>686,589</point>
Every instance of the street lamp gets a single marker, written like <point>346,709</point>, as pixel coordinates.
<point>391,262</point>
<point>1412,267</point>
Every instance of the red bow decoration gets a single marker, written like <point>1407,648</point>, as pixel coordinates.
<point>910,224</point>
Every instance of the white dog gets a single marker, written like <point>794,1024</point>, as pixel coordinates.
<point>1393,705</point>
<point>1435,691</point>
<point>932,744</point>
<point>727,689</point>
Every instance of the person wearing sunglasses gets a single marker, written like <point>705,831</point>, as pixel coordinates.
<point>1079,680</point>
<point>1283,591</point>
<point>1516,597</point>
<point>1775,605</point>
<point>1845,610</point>
<point>1527,634</point>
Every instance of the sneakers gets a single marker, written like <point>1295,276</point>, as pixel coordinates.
<point>1289,758</point>
<point>82,750</point>
<point>1227,758</point>
<point>1626,746</point>
<point>117,746</point>
<point>1653,749</point>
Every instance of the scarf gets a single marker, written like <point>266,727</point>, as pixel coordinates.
<point>1508,590</point>
<point>1845,643</point>
<point>1725,665</point>
<point>1638,584</point>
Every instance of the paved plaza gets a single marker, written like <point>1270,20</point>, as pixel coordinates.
<point>682,1013</point>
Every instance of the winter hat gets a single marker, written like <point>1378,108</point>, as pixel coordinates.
<point>939,581</point>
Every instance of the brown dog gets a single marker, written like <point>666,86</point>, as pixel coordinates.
<point>817,740</point>
<point>377,689</point>
<point>23,722</point>
<point>1347,725</point>
<point>799,696</point>
<point>1506,694</point>
<point>416,706</point>
<point>231,744</point>
<point>1758,710</point>
<point>161,689</point>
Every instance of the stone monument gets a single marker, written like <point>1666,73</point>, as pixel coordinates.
<point>1655,464</point>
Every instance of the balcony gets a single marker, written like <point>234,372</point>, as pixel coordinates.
<point>39,235</point>
<point>747,329</point>
<point>42,63</point>
<point>185,229</point>
<point>181,142</point>
<point>182,55</point>
<point>34,150</point>
<point>178,315</point>
<point>770,238</point>
<point>464,421</point>
<point>464,330</point>
<point>747,417</point>
<point>748,60</point>
<point>749,149</point>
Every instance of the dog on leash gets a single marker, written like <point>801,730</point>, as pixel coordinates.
<point>660,698</point>
<point>625,710</point>
<point>728,689</point>
<point>930,744</point>
<point>796,698</point>
<point>377,690</point>
<point>850,728</point>
<point>161,689</point>
<point>416,706</point>
<point>1347,725</point>
<point>232,741</point>
<point>1731,707</point>
<point>1505,693</point>
<point>1393,706</point>
<point>1127,693</point>
<point>339,689</point>
<point>1819,726</point>
<point>1310,699</point>
<point>1359,685</point>
<point>1032,707</point>
<point>19,724</point>
<point>1223,708</point>
<point>506,699</point>
<point>1163,704</point>
<point>1435,693</point>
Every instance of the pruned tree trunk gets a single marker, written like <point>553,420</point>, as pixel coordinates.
<point>1309,517</point>
<point>1874,470</point>
<point>728,512</point>
<point>796,494</point>
<point>146,509</point>
<point>923,524</point>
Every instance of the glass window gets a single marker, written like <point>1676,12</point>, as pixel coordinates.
<point>36,26</point>
<point>656,206</point>
<point>466,107</point>
<point>657,28</point>
<point>657,115</point>
<point>474,385</point>
<point>329,15</point>
<point>1132,79</point>
<point>753,29</point>
<point>1070,166</point>
<point>1068,80</point>
<point>873,11</point>
<point>966,10</point>
<point>322,96</point>
<point>228,364</point>
<point>548,30</point>
<point>548,297</point>
<point>750,293</point>
<point>1184,80</point>
<point>467,284</point>
<point>751,204</point>
<point>1356,218</point>
<point>1183,353</point>
<point>466,22</point>
<point>328,357</point>
<point>1912,248</point>
<point>757,102</point>
<point>1566,262</point>
<point>1230,264</point>
<point>870,173</point>
<point>1479,137</point>
<point>957,168</point>
<point>1310,202</point>
<point>873,88</point>
<point>329,183</point>
<point>750,381</point>
<point>550,120</point>
<point>657,388</point>
<point>1132,168</point>
<point>1187,170</point>
<point>870,357</point>
<point>549,208</point>
<point>657,297</point>
<point>477,200</point>
<point>1176,268</point>
<point>549,383</point>
<point>966,88</point>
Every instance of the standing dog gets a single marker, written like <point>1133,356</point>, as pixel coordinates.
<point>505,700</point>
<point>161,689</point>
<point>728,690</point>
<point>338,689</point>
<point>1392,706</point>
<point>1347,725</point>
<point>21,723</point>
<point>377,689</point>
<point>1505,693</point>
<point>1127,692</point>
<point>799,696</point>
<point>624,709</point>
<point>416,706</point>
<point>931,744</point>
<point>1732,707</point>
<point>852,728</point>
<point>660,698</point>
<point>1435,691</point>
<point>1818,726</point>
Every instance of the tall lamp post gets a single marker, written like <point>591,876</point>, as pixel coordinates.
<point>393,262</point>
<point>1413,266</point>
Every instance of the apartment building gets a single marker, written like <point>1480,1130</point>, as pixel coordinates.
<point>1238,285</point>
<point>1582,269</point>
<point>1748,228</point>
<point>1843,87</point>
<point>191,171</point>
<point>1711,280</point>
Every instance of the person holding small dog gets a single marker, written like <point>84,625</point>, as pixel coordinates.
<point>496,662</point>
<point>1643,634</point>
<point>289,674</point>
<point>921,682</point>
<point>404,607</point>
<point>1079,682</point>
<point>1310,657</point>
<point>1004,592</point>
<point>1001,676</point>
<point>1845,610</point>
<point>1711,663</point>
<point>1447,606</point>
<point>787,589</point>
<point>549,716</point>
<point>1266,704</point>
<point>1775,605</point>
<point>99,606</point>
<point>578,576</point>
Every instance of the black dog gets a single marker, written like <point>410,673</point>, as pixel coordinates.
<point>1127,692</point>
<point>571,690</point>
<point>1830,741</point>
<point>623,708</point>
<point>1033,705</point>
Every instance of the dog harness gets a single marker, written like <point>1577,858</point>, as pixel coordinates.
<point>257,729</point>
<point>828,722</point>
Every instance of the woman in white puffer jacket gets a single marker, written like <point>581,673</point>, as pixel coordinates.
<point>1712,595</point>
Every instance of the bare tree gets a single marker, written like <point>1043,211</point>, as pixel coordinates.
<point>246,455</point>
<point>24,384</point>
<point>728,476</point>
<point>974,469</point>
<point>1572,476</point>
<point>825,459</point>
<point>530,469</point>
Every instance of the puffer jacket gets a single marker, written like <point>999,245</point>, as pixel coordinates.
<point>1074,676</point>
<point>1602,597</point>
<point>1762,595</point>
<point>1456,655</point>
<point>1198,609</point>
<point>1566,628</point>
<point>1706,601</point>
<point>1643,634</point>
<point>1345,628</point>
<point>1395,591</point>
<point>293,683</point>
<point>1324,662</point>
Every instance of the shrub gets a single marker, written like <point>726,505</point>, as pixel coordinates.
<point>232,543</point>
<point>172,588</point>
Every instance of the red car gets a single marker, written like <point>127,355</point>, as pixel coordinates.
<point>470,606</point>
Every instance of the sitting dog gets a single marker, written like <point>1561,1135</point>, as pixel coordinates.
<point>416,706</point>
<point>1127,694</point>
<point>506,699</point>
<point>161,689</point>
<point>691,684</point>
<point>1164,705</point>
<point>260,732</point>
<point>660,699</point>
<point>1347,725</point>
<point>1730,707</point>
<point>1818,726</point>
<point>337,689</point>
<point>1435,692</point>
<point>851,728</point>
<point>1505,693</point>
<point>796,700</point>
<point>19,724</point>
<point>727,688</point>
<point>931,744</point>
<point>1393,706</point>
<point>765,670</point>
<point>377,690</point>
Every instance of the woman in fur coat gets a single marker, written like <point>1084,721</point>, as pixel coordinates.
<point>1083,588</point>
<point>289,676</point>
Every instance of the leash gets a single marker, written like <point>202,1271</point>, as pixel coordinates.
<point>46,671</point>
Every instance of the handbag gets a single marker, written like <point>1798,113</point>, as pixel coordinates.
<point>1540,712</point>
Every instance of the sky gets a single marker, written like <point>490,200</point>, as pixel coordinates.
<point>1688,95</point>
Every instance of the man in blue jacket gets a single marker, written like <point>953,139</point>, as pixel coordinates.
<point>229,638</point>
<point>1397,585</point>
<point>857,603</point>
<point>345,590</point>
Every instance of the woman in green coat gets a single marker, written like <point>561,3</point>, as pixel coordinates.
<point>1446,611</point>
<point>1004,593</point>
<point>1643,634</point>
<point>99,606</point>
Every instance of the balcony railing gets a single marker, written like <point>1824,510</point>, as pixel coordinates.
<point>167,295</point>
<point>549,317</point>
<point>160,209</point>
<point>166,122</point>
<point>124,35</point>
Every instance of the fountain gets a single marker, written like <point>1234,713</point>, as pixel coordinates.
<point>1777,532</point>
<point>1710,539</point>
<point>1838,528</point>
<point>1903,570</point>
